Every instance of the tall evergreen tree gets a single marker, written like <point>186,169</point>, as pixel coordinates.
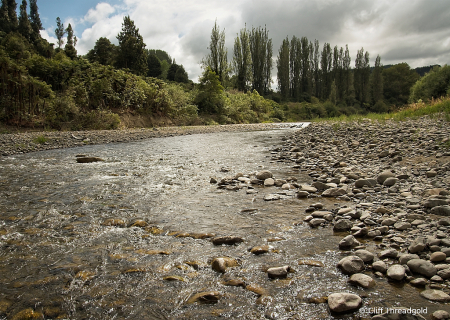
<point>12,15</point>
<point>60,32</point>
<point>131,51</point>
<point>283,69</point>
<point>69,49</point>
<point>172,71</point>
<point>35,20</point>
<point>181,75</point>
<point>216,60</point>
<point>242,60</point>
<point>4,17</point>
<point>24,24</point>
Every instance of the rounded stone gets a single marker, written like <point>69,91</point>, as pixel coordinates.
<point>440,315</point>
<point>362,280</point>
<point>396,272</point>
<point>342,302</point>
<point>422,267</point>
<point>438,256</point>
<point>435,295</point>
<point>263,175</point>
<point>351,265</point>
<point>365,255</point>
<point>379,266</point>
<point>278,272</point>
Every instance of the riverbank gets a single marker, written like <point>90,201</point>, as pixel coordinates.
<point>17,143</point>
<point>397,176</point>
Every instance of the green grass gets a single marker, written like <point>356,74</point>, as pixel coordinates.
<point>40,140</point>
<point>437,108</point>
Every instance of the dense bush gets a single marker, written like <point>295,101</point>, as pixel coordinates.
<point>434,84</point>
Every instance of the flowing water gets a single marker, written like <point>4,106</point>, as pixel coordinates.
<point>62,257</point>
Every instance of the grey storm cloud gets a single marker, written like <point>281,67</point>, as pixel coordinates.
<point>412,31</point>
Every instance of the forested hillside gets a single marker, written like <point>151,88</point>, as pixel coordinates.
<point>51,86</point>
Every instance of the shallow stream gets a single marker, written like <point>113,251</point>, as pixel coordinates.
<point>62,257</point>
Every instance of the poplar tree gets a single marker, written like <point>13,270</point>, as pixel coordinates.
<point>69,49</point>
<point>242,60</point>
<point>131,51</point>
<point>261,52</point>
<point>347,80</point>
<point>35,20</point>
<point>316,70</point>
<point>377,81</point>
<point>60,32</point>
<point>216,60</point>
<point>305,83</point>
<point>295,67</point>
<point>283,62</point>
<point>24,24</point>
<point>362,77</point>
<point>325,65</point>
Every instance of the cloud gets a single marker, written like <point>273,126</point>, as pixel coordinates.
<point>102,11</point>
<point>414,31</point>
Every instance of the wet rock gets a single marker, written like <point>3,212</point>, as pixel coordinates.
<point>418,245</point>
<point>205,297</point>
<point>389,182</point>
<point>174,278</point>
<point>343,302</point>
<point>269,182</point>
<point>404,258</point>
<point>441,210</point>
<point>438,257</point>
<point>435,295</point>
<point>440,315</point>
<point>384,175</point>
<point>278,272</point>
<point>388,253</point>
<point>313,263</point>
<point>228,240</point>
<point>114,222</point>
<point>138,223</point>
<point>396,272</point>
<point>419,282</point>
<point>263,175</point>
<point>88,159</point>
<point>362,280</point>
<point>302,194</point>
<point>221,264</point>
<point>27,314</point>
<point>351,265</point>
<point>334,192</point>
<point>260,291</point>
<point>422,267</point>
<point>379,266</point>
<point>314,223</point>
<point>235,283</point>
<point>349,242</point>
<point>259,250</point>
<point>342,225</point>
<point>365,255</point>
<point>444,274</point>
<point>272,197</point>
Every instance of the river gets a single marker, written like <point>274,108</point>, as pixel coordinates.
<point>68,250</point>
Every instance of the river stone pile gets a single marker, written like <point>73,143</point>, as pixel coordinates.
<point>397,175</point>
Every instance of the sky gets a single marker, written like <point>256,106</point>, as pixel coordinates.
<point>413,31</point>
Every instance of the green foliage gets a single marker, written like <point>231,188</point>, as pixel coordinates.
<point>40,139</point>
<point>69,49</point>
<point>131,51</point>
<point>397,82</point>
<point>216,60</point>
<point>97,120</point>
<point>434,84</point>
<point>60,32</point>
<point>210,97</point>
<point>103,52</point>
<point>154,66</point>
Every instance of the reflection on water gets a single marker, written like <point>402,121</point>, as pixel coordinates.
<point>68,250</point>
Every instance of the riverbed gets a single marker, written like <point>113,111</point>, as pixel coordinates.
<point>130,237</point>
